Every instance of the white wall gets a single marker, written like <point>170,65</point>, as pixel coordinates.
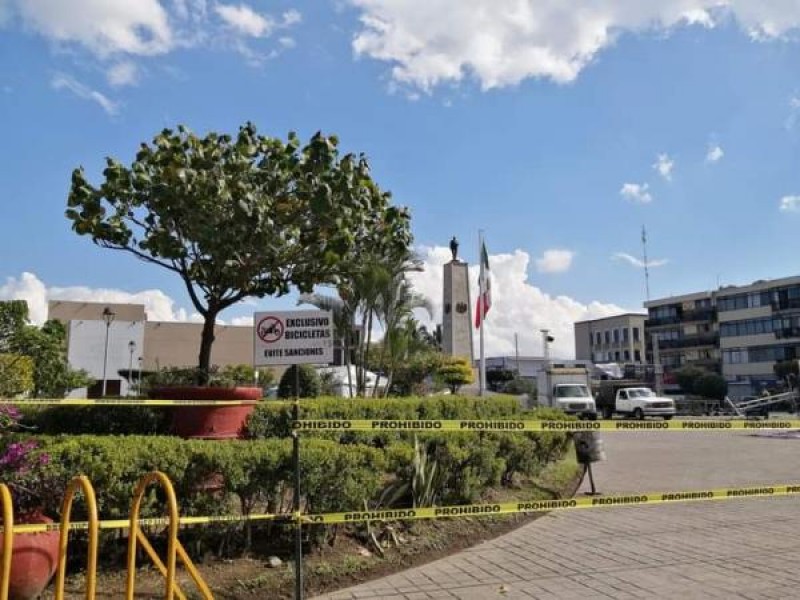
<point>87,344</point>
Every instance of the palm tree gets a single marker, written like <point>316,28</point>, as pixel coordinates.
<point>397,304</point>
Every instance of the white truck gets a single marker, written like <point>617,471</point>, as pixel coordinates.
<point>567,388</point>
<point>632,399</point>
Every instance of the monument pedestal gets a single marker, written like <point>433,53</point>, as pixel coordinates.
<point>457,311</point>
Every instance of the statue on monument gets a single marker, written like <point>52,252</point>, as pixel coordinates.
<point>454,248</point>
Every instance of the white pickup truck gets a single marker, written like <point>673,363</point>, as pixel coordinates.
<point>633,401</point>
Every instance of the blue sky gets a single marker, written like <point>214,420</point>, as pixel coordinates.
<point>541,126</point>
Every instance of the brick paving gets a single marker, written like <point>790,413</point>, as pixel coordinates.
<point>732,549</point>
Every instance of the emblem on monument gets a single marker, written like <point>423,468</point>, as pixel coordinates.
<point>461,307</point>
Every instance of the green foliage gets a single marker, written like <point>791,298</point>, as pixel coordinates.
<point>455,371</point>
<point>411,376</point>
<point>98,420</point>
<point>309,382</point>
<point>496,378</point>
<point>518,385</point>
<point>46,346</point>
<point>711,385</point>
<point>227,376</point>
<point>425,480</point>
<point>239,216</point>
<point>16,375</point>
<point>787,369</point>
<point>687,378</point>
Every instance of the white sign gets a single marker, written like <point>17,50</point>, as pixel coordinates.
<point>293,337</point>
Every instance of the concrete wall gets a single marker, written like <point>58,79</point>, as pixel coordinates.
<point>178,345</point>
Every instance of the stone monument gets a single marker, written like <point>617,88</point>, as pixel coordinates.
<point>456,308</point>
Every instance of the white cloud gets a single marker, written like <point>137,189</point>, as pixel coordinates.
<point>636,192</point>
<point>65,82</point>
<point>715,153</point>
<point>636,262</point>
<point>664,165</point>
<point>517,305</point>
<point>555,261</point>
<point>104,27</point>
<point>291,17</point>
<point>245,20</point>
<point>158,306</point>
<point>502,42</point>
<point>123,73</point>
<point>790,204</point>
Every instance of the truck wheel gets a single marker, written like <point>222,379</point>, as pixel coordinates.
<point>607,414</point>
<point>638,414</point>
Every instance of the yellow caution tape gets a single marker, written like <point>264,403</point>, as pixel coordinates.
<point>465,510</point>
<point>508,508</point>
<point>123,402</point>
<point>540,426</point>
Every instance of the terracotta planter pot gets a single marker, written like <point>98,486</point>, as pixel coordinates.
<point>209,422</point>
<point>34,559</point>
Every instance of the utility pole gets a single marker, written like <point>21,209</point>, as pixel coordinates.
<point>646,268</point>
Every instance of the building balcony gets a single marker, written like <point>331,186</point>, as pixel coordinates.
<point>690,341</point>
<point>699,314</point>
<point>662,321</point>
<point>790,332</point>
<point>785,304</point>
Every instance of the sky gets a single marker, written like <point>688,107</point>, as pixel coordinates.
<point>559,129</point>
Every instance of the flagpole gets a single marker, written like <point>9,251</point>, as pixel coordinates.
<point>481,290</point>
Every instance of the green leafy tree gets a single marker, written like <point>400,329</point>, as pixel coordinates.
<point>239,216</point>
<point>455,371</point>
<point>309,380</point>
<point>45,346</point>
<point>497,378</point>
<point>16,375</point>
<point>711,385</point>
<point>687,378</point>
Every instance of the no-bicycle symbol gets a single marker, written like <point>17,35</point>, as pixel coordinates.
<point>270,329</point>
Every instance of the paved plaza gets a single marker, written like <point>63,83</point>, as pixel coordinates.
<point>731,549</point>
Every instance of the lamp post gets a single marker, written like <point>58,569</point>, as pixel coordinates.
<point>108,317</point>
<point>131,348</point>
<point>139,387</point>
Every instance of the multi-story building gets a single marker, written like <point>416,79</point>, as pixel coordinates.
<point>686,330</point>
<point>738,331</point>
<point>759,325</point>
<point>612,339</point>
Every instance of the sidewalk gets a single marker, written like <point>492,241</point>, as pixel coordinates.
<point>732,549</point>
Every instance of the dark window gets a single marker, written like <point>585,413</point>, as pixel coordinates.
<point>607,337</point>
<point>627,355</point>
<point>625,335</point>
<point>637,356</point>
<point>599,339</point>
<point>635,334</point>
<point>616,336</point>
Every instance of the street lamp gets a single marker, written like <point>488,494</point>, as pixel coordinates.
<point>131,348</point>
<point>108,317</point>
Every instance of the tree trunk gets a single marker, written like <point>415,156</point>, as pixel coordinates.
<point>206,341</point>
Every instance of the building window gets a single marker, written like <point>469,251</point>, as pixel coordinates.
<point>599,339</point>
<point>616,336</point>
<point>637,356</point>
<point>625,335</point>
<point>627,356</point>
<point>635,334</point>
<point>616,356</point>
<point>607,337</point>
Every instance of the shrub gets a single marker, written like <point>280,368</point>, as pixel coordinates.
<point>455,371</point>
<point>16,375</point>
<point>308,379</point>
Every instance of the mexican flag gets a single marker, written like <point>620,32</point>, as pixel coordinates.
<point>484,289</point>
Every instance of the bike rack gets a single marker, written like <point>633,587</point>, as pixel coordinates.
<point>174,547</point>
<point>85,485</point>
<point>8,539</point>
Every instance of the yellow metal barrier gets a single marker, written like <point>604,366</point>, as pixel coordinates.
<point>174,547</point>
<point>85,485</point>
<point>8,539</point>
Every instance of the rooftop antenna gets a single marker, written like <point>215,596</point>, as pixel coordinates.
<point>646,269</point>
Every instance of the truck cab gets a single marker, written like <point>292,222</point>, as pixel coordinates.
<point>567,389</point>
<point>641,402</point>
